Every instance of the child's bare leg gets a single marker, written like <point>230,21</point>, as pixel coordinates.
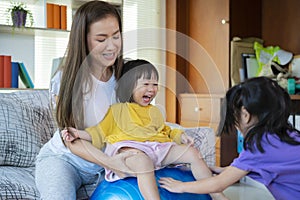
<point>143,166</point>
<point>185,154</point>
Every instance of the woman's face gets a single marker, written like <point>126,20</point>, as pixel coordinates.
<point>104,41</point>
<point>145,91</point>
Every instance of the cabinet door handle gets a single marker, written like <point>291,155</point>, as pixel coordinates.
<point>197,109</point>
<point>224,21</point>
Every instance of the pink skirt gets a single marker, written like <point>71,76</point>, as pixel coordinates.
<point>155,150</point>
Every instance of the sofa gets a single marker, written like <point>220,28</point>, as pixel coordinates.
<point>26,123</point>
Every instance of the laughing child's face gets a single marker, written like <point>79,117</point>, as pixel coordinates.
<point>145,91</point>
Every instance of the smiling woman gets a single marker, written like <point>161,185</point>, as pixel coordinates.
<point>83,88</point>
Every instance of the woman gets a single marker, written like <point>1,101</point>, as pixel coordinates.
<point>83,91</point>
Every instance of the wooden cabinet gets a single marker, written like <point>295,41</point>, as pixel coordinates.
<point>202,44</point>
<point>209,26</point>
<point>201,110</point>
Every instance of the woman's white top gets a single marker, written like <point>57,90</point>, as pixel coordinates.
<point>95,105</point>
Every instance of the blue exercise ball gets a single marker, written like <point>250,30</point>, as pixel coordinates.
<point>127,189</point>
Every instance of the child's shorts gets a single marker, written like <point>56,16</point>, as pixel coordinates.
<point>155,150</point>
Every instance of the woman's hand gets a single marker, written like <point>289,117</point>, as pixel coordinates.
<point>185,139</point>
<point>117,164</point>
<point>87,151</point>
<point>69,134</point>
<point>171,185</point>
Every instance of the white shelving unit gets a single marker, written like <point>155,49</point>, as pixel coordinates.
<point>35,46</point>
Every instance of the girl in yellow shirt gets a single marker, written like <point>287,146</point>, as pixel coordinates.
<point>137,126</point>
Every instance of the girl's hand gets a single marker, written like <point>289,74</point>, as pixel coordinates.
<point>69,134</point>
<point>185,139</point>
<point>171,185</point>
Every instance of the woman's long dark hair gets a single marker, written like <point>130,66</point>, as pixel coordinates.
<point>74,66</point>
<point>265,99</point>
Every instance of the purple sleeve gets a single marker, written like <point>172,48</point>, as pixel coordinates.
<point>245,161</point>
<point>256,163</point>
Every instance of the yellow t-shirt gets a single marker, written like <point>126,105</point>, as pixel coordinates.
<point>130,121</point>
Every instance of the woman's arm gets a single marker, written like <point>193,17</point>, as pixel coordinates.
<point>87,151</point>
<point>209,185</point>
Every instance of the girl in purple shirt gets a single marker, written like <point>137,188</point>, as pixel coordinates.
<point>259,108</point>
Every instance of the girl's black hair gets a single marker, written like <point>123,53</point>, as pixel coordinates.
<point>264,98</point>
<point>132,71</point>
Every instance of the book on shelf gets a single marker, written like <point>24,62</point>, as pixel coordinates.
<point>14,74</point>
<point>7,72</point>
<point>49,15</point>
<point>1,71</point>
<point>25,76</point>
<point>63,17</point>
<point>10,72</point>
<point>56,16</point>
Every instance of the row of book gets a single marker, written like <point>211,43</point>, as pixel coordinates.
<point>11,71</point>
<point>56,16</point>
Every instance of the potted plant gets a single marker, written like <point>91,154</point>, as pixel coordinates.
<point>19,12</point>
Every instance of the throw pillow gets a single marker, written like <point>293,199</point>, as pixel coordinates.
<point>204,141</point>
<point>26,123</point>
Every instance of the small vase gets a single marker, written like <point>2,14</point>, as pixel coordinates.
<point>19,18</point>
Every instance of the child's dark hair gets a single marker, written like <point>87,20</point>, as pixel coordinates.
<point>264,98</point>
<point>132,71</point>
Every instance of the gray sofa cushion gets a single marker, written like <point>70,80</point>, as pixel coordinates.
<point>26,123</point>
<point>17,183</point>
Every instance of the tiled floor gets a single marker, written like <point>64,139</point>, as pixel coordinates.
<point>248,189</point>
